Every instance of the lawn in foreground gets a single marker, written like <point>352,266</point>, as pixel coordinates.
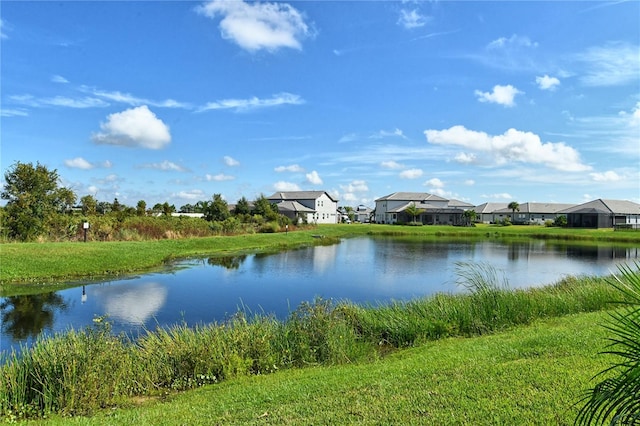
<point>527,375</point>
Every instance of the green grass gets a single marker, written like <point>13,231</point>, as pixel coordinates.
<point>530,375</point>
<point>48,262</point>
<point>79,372</point>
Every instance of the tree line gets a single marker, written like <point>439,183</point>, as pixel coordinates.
<point>39,208</point>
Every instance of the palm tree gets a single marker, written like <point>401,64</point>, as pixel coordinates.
<point>615,398</point>
<point>413,211</point>
<point>470,216</point>
<point>515,207</point>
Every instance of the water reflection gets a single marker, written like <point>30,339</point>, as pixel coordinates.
<point>132,303</point>
<point>362,270</point>
<point>26,317</point>
<point>227,262</point>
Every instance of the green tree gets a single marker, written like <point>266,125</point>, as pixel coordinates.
<point>116,206</point>
<point>413,211</point>
<point>167,208</point>
<point>514,207</point>
<point>33,196</point>
<point>89,205</point>
<point>217,209</point>
<point>470,216</point>
<point>263,207</point>
<point>157,209</point>
<point>242,207</point>
<point>141,208</point>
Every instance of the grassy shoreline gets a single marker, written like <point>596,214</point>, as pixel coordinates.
<point>41,263</point>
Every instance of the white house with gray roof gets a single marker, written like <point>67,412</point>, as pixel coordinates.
<point>310,206</point>
<point>434,210</point>
<point>532,213</point>
<point>486,212</point>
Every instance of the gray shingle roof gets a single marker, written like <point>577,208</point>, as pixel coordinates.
<point>485,208</point>
<point>537,208</point>
<point>605,207</point>
<point>299,195</point>
<point>411,196</point>
<point>293,206</point>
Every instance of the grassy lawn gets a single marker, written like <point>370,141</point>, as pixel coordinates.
<point>530,375</point>
<point>47,262</point>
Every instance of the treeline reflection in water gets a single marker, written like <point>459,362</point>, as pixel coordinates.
<point>362,270</point>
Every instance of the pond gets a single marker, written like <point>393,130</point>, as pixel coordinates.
<point>362,270</point>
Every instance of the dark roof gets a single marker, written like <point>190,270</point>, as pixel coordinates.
<point>601,206</point>
<point>299,195</point>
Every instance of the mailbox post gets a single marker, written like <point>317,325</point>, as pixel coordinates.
<point>85,227</point>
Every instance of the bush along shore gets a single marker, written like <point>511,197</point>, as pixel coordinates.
<point>47,262</point>
<point>80,372</point>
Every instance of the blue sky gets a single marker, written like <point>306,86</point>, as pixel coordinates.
<point>176,101</point>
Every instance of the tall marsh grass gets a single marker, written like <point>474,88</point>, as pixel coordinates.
<point>81,371</point>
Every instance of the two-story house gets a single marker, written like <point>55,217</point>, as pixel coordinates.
<point>433,209</point>
<point>310,206</point>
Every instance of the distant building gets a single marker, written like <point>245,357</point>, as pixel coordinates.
<point>433,209</point>
<point>604,214</point>
<point>310,206</point>
<point>532,213</point>
<point>486,212</point>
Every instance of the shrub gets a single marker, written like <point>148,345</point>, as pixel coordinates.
<point>616,398</point>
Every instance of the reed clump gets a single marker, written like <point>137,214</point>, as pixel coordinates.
<point>78,372</point>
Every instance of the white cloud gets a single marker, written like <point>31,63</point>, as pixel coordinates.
<point>355,186</point>
<point>254,103</point>
<point>127,98</point>
<point>58,101</point>
<point>512,146</point>
<point>547,83</point>
<point>13,113</point>
<point>612,64</point>
<point>515,41</point>
<point>608,176</point>
<point>465,158</point>
<point>500,196</point>
<point>314,178</point>
<point>59,79</point>
<point>78,163</point>
<point>3,28</point>
<point>294,168</point>
<point>230,161</point>
<point>285,186</point>
<point>135,127</point>
<point>349,197</point>
<point>220,177</point>
<point>192,195</point>
<point>502,95</point>
<point>257,26</point>
<point>386,133</point>
<point>164,166</point>
<point>391,165</point>
<point>348,138</point>
<point>434,183</point>
<point>411,19</point>
<point>411,174</point>
<point>470,182</point>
